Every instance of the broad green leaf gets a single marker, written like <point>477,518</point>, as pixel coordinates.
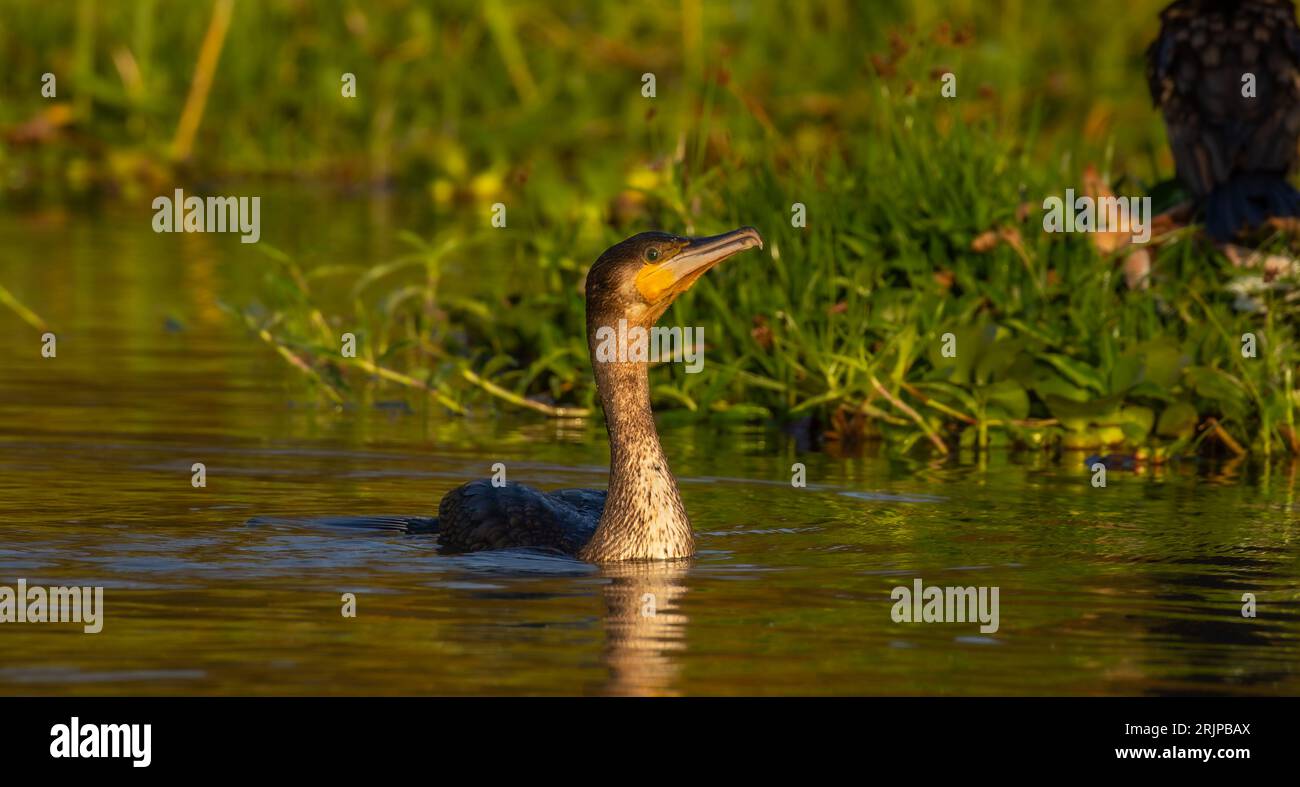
<point>1177,420</point>
<point>1007,397</point>
<point>1075,371</point>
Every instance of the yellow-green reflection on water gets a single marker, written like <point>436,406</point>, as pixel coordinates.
<point>1131,589</point>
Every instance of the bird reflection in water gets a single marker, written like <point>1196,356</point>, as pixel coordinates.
<point>645,630</point>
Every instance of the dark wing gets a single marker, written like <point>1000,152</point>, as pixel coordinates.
<point>479,516</point>
<point>1195,72</point>
<point>1272,145</point>
<point>590,501</point>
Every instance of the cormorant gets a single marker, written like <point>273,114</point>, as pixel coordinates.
<point>641,517</point>
<point>1226,76</point>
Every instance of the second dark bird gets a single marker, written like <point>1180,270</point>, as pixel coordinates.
<point>1226,76</point>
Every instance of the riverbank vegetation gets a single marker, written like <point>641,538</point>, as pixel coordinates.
<point>923,212</point>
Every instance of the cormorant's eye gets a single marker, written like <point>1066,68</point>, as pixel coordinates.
<point>652,253</point>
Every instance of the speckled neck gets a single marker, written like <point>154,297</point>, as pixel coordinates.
<point>643,518</point>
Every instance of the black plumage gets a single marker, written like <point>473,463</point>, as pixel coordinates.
<point>1226,76</point>
<point>479,516</point>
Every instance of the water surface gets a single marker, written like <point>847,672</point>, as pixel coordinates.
<point>1132,589</point>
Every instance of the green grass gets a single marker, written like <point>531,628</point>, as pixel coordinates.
<point>760,105</point>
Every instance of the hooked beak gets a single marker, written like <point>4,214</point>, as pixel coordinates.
<point>661,282</point>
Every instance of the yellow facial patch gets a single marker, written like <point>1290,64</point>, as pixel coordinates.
<point>655,281</point>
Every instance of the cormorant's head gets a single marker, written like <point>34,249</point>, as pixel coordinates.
<point>639,278</point>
